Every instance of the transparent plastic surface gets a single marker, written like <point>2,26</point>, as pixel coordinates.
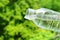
<point>44,18</point>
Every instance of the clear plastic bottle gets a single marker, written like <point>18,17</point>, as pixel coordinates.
<point>44,18</point>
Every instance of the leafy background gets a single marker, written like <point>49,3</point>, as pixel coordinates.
<point>13,26</point>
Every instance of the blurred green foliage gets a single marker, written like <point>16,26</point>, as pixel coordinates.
<point>13,26</point>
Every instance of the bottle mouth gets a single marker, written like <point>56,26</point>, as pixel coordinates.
<point>30,14</point>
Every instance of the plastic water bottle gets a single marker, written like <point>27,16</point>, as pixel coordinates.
<point>44,18</point>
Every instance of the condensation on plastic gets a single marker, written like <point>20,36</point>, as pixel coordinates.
<point>44,18</point>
